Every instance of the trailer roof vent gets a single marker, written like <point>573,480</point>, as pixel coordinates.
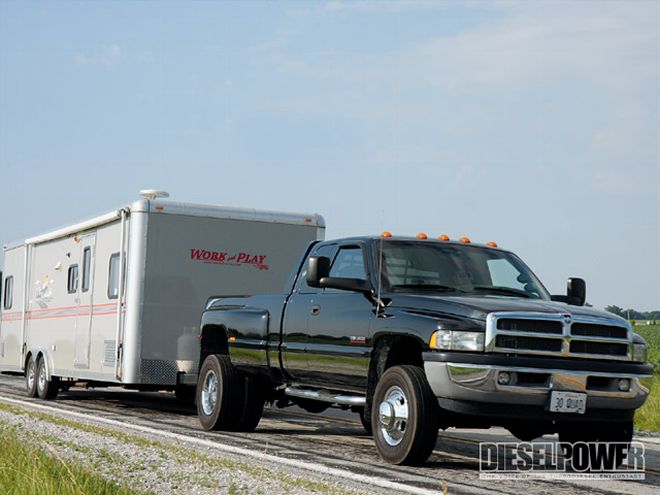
<point>154,193</point>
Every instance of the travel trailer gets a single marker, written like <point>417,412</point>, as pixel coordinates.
<point>117,299</point>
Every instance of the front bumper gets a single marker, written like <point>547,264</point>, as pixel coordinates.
<point>472,379</point>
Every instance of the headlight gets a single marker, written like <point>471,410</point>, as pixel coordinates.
<point>457,340</point>
<point>640,353</point>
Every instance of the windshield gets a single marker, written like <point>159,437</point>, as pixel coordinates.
<point>415,266</point>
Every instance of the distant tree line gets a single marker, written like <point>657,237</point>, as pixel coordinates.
<point>633,314</point>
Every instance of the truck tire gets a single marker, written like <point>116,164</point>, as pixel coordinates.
<point>220,394</point>
<point>366,422</point>
<point>253,405</point>
<point>595,432</point>
<point>404,416</point>
<point>31,377</point>
<point>46,389</point>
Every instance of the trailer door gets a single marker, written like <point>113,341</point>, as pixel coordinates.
<point>85,301</point>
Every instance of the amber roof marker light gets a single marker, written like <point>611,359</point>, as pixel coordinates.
<point>422,235</point>
<point>386,234</point>
<point>491,244</point>
<point>465,240</point>
<point>443,237</point>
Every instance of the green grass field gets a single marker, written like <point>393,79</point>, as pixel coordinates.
<point>27,469</point>
<point>648,416</point>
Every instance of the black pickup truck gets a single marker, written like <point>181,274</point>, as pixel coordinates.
<point>418,334</point>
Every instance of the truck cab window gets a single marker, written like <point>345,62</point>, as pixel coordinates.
<point>113,277</point>
<point>87,261</point>
<point>72,282</point>
<point>349,263</point>
<point>8,293</point>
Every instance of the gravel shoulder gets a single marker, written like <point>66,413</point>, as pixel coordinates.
<point>152,464</point>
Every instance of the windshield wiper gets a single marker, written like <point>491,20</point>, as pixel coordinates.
<point>502,290</point>
<point>431,287</point>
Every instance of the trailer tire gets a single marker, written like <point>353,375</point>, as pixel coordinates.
<point>31,377</point>
<point>220,394</point>
<point>404,416</point>
<point>253,405</point>
<point>46,389</point>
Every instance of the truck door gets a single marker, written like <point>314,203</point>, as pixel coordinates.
<point>85,301</point>
<point>296,319</point>
<point>338,344</point>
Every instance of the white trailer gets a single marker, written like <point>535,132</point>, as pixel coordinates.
<point>118,298</point>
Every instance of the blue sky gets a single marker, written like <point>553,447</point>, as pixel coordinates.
<point>532,124</point>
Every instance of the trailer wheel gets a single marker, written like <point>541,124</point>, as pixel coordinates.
<point>31,377</point>
<point>253,406</point>
<point>220,394</point>
<point>404,416</point>
<point>46,389</point>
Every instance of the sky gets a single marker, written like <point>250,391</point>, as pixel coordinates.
<point>535,125</point>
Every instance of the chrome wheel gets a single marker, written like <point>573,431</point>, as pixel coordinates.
<point>41,383</point>
<point>210,393</point>
<point>393,416</point>
<point>30,375</point>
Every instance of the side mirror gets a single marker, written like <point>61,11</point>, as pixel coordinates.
<point>318,267</point>
<point>342,283</point>
<point>576,292</point>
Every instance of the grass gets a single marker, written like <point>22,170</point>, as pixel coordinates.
<point>27,469</point>
<point>288,482</point>
<point>648,416</point>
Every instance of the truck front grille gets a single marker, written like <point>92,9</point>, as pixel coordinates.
<point>604,348</point>
<point>528,343</point>
<point>536,326</point>
<point>558,334</point>
<point>593,330</point>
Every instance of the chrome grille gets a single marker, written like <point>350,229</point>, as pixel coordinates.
<point>558,334</point>
<point>536,326</point>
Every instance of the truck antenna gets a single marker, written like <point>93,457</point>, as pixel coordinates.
<point>379,301</point>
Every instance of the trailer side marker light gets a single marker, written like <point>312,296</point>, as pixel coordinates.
<point>308,220</point>
<point>443,237</point>
<point>159,207</point>
<point>232,338</point>
<point>491,244</point>
<point>386,234</point>
<point>464,240</point>
<point>422,235</point>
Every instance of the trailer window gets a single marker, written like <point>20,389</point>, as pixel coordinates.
<point>9,292</point>
<point>87,261</point>
<point>113,277</point>
<point>72,284</point>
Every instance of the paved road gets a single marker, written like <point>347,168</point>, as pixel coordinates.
<point>336,439</point>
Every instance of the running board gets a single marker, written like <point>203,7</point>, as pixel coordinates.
<point>323,396</point>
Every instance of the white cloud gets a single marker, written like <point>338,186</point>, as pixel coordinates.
<point>531,42</point>
<point>107,57</point>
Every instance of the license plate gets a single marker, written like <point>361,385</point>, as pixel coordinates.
<point>568,402</point>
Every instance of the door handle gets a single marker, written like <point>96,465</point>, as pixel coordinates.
<point>316,309</point>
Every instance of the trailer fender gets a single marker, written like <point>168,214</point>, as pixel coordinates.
<point>42,353</point>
